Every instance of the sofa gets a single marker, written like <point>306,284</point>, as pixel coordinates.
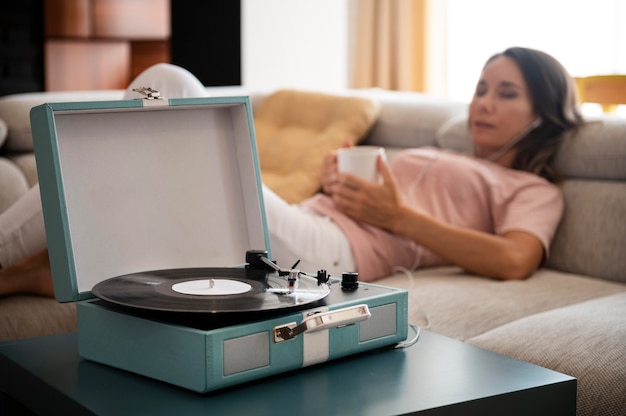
<point>570,316</point>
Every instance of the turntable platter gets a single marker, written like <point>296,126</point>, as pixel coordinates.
<point>209,290</point>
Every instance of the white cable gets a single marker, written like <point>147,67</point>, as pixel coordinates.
<point>516,139</point>
<point>418,250</point>
<point>411,200</point>
<point>412,341</point>
<point>412,297</point>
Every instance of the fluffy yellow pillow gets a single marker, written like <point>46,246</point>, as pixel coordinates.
<point>295,130</point>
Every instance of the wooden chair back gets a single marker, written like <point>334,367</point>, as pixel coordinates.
<point>607,90</point>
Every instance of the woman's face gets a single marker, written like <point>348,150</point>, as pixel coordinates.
<point>501,108</point>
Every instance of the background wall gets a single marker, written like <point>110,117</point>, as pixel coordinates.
<point>295,43</point>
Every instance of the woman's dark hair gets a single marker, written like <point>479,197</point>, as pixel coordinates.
<point>554,98</point>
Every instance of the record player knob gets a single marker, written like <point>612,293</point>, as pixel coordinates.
<point>257,259</point>
<point>253,256</point>
<point>349,280</point>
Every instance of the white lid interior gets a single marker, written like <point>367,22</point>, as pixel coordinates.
<point>158,188</point>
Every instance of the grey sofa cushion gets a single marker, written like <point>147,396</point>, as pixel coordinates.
<point>597,151</point>
<point>586,341</point>
<point>409,119</point>
<point>461,306</point>
<point>590,238</point>
<point>455,135</point>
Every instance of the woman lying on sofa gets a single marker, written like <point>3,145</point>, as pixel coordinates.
<point>492,213</point>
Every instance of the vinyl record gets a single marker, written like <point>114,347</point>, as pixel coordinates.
<point>209,290</point>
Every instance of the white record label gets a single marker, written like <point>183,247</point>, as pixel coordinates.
<point>210,287</point>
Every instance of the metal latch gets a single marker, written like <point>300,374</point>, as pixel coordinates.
<point>321,321</point>
<point>148,93</point>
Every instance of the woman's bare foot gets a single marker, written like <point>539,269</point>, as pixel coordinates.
<point>29,276</point>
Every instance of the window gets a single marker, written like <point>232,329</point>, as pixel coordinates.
<point>586,37</point>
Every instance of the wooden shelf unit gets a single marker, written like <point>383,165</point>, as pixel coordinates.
<point>103,44</point>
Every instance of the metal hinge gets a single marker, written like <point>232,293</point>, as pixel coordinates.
<point>148,93</point>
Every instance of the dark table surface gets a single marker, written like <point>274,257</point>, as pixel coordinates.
<point>436,376</point>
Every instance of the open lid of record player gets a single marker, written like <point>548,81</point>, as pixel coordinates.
<point>130,186</point>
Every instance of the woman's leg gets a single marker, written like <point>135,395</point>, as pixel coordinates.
<point>297,233</point>
<point>22,232</point>
<point>24,266</point>
<point>170,80</point>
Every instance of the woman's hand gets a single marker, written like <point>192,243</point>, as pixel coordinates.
<point>329,173</point>
<point>368,202</point>
<point>330,170</point>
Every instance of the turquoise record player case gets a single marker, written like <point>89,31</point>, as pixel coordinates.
<point>157,184</point>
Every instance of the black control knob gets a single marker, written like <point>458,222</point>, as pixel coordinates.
<point>254,260</point>
<point>349,281</point>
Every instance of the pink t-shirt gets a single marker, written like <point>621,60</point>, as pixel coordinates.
<point>458,190</point>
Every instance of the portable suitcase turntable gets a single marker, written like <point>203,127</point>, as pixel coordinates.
<point>156,226</point>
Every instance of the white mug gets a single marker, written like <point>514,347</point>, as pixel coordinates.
<point>361,161</point>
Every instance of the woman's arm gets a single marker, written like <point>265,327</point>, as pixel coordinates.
<point>514,255</point>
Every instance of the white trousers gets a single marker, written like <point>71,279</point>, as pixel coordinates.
<point>297,233</point>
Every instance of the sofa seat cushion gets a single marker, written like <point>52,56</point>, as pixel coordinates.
<point>23,316</point>
<point>585,340</point>
<point>295,130</point>
<point>459,305</point>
